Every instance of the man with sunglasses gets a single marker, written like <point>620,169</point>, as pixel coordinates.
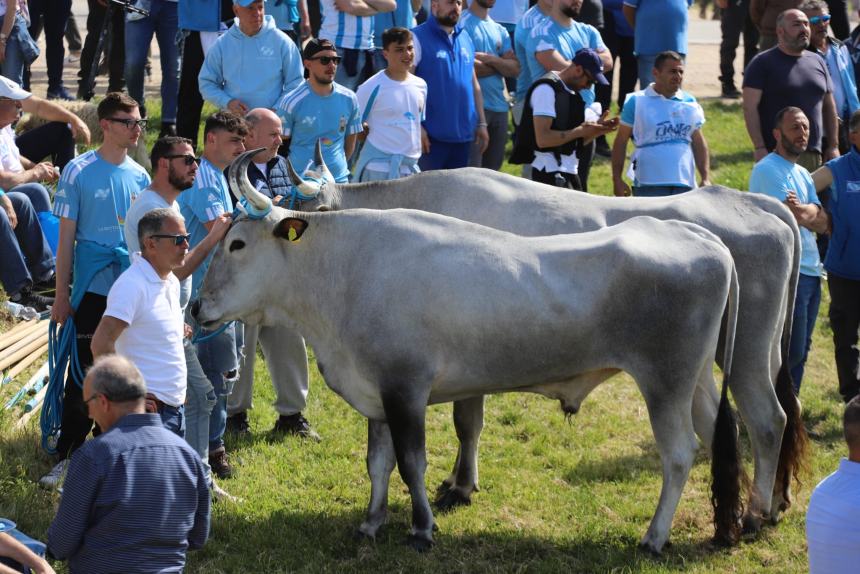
<point>321,109</point>
<point>93,197</point>
<point>839,64</point>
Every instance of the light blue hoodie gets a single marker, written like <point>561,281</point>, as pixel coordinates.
<point>256,69</point>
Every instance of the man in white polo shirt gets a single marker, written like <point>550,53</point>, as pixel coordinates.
<point>143,318</point>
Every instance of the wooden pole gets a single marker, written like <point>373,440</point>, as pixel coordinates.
<point>29,360</point>
<point>17,356</point>
<point>15,334</point>
<point>23,342</point>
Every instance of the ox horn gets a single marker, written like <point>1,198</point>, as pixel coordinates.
<point>307,188</point>
<point>237,179</point>
<point>320,163</point>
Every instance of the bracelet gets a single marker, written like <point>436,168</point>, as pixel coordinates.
<point>482,124</point>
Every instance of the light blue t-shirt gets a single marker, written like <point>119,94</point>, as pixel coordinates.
<point>533,17</point>
<point>203,202</point>
<point>96,195</point>
<point>550,35</point>
<point>490,37</point>
<point>285,13</point>
<point>776,176</point>
<point>402,16</point>
<point>307,117</point>
<point>660,25</point>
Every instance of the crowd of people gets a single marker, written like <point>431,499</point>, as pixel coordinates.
<point>381,96</point>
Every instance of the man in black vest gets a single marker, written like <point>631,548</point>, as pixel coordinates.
<point>554,129</point>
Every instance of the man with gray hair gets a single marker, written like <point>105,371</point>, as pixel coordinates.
<point>135,498</point>
<point>143,318</point>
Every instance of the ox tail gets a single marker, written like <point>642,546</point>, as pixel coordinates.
<point>728,477</point>
<point>794,448</point>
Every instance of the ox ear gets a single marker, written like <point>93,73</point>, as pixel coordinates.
<point>290,228</point>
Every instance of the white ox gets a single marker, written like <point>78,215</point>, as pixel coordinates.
<point>406,308</point>
<point>759,231</point>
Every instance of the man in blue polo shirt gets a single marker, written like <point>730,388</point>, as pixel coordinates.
<point>321,109</point>
<point>444,58</point>
<point>658,26</point>
<point>494,61</point>
<point>780,176</point>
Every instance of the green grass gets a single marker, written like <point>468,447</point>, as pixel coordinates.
<point>554,496</point>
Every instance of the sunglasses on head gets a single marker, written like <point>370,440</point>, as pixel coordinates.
<point>129,123</point>
<point>823,19</point>
<point>178,239</point>
<point>326,60</point>
<point>189,159</point>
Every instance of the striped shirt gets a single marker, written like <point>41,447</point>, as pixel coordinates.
<point>135,500</point>
<point>345,30</point>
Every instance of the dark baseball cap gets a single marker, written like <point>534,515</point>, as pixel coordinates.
<point>590,62</point>
<point>315,46</point>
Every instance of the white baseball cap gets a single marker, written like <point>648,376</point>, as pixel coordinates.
<point>11,90</point>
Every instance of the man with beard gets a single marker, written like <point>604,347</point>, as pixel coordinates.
<point>174,171</point>
<point>666,124</point>
<point>789,75</point>
<point>551,48</point>
<point>321,109</point>
<point>92,200</point>
<point>779,175</point>
<point>494,61</point>
<point>444,58</point>
<point>283,348</point>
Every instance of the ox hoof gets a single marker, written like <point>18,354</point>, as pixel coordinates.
<point>366,532</point>
<point>651,549</point>
<point>751,525</point>
<point>452,499</point>
<point>419,544</point>
<point>446,485</point>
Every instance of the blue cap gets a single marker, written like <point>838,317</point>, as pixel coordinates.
<point>590,61</point>
<point>244,3</point>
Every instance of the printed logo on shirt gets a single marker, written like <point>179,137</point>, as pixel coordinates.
<point>409,116</point>
<point>668,130</point>
<point>102,193</point>
<point>852,187</point>
<point>442,54</point>
<point>211,197</point>
<point>328,142</point>
<point>307,121</point>
<point>267,51</point>
<point>341,126</point>
<point>60,193</point>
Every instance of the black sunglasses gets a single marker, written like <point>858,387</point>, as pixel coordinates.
<point>129,123</point>
<point>178,239</point>
<point>326,60</point>
<point>189,159</point>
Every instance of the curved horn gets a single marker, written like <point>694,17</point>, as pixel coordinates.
<point>320,163</point>
<point>237,179</point>
<point>307,188</point>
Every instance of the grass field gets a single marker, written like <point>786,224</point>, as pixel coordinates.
<point>554,496</point>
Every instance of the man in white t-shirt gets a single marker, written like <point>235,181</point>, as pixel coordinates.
<point>392,104</point>
<point>143,318</point>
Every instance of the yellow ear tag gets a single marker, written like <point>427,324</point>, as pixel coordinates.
<point>293,235</point>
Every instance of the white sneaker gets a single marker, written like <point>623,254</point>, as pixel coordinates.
<point>221,495</point>
<point>54,478</point>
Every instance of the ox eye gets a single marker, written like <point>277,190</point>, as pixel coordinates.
<point>237,244</point>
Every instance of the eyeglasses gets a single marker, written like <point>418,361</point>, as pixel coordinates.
<point>91,398</point>
<point>129,123</point>
<point>178,239</point>
<point>823,19</point>
<point>189,159</point>
<point>326,60</point>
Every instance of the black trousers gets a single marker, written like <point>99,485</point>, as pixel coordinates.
<point>621,48</point>
<point>53,15</point>
<point>735,21</point>
<point>839,23</point>
<point>190,103</point>
<point>76,423</point>
<point>52,140</point>
<point>116,54</point>
<point>557,179</point>
<point>845,320</point>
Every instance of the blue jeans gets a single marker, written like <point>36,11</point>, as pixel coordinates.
<point>199,401</point>
<point>164,23</point>
<point>25,256</point>
<point>659,190</point>
<point>54,15</point>
<point>363,67</point>
<point>805,313</point>
<point>218,356</point>
<point>173,419</point>
<point>13,63</point>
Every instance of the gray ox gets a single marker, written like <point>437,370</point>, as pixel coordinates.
<point>407,308</point>
<point>759,231</point>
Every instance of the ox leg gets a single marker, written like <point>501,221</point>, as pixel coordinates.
<point>706,401</point>
<point>380,462</point>
<point>672,424</point>
<point>405,416</point>
<point>457,489</point>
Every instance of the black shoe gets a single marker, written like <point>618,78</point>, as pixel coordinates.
<point>238,424</point>
<point>167,129</point>
<point>602,148</point>
<point>731,92</point>
<point>296,424</point>
<point>46,285</point>
<point>219,463</point>
<point>27,298</point>
<point>60,94</point>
